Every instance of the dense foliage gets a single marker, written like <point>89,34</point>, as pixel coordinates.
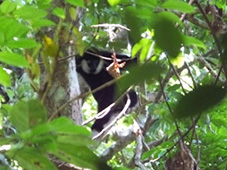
<point>181,51</point>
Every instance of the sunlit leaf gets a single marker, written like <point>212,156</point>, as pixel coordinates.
<point>22,43</point>
<point>12,28</point>
<point>13,59</point>
<point>113,2</point>
<point>30,12</point>
<point>178,5</point>
<point>147,3</point>
<point>138,46</point>
<point>42,23</point>
<point>79,3</point>
<point>73,13</point>
<point>199,100</point>
<point>59,12</point>
<point>7,6</point>
<point>64,125</point>
<point>2,38</point>
<point>193,41</point>
<point>178,61</point>
<point>4,78</point>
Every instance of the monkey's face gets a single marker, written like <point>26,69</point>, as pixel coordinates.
<point>93,66</point>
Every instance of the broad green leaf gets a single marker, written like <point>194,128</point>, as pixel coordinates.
<point>44,4</point>
<point>147,3</point>
<point>121,168</point>
<point>113,2</point>
<point>171,17</point>
<point>76,140</point>
<point>30,12</point>
<point>5,141</point>
<point>13,59</point>
<point>199,100</point>
<point>167,36</point>
<point>133,23</point>
<point>64,125</point>
<point>73,13</point>
<point>144,52</point>
<point>4,78</point>
<point>31,159</point>
<point>25,115</point>
<point>138,46</point>
<point>139,74</point>
<point>178,5</point>
<point>22,43</point>
<point>178,61</point>
<point>12,28</point>
<point>7,6</point>
<point>79,3</point>
<point>59,12</point>
<point>219,123</point>
<point>37,133</point>
<point>80,156</point>
<point>2,38</point>
<point>42,23</point>
<point>193,41</point>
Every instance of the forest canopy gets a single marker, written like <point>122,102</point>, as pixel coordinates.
<point>180,47</point>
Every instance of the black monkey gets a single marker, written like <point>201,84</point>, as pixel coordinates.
<point>92,68</point>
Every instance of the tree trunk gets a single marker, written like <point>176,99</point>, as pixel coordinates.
<point>64,84</point>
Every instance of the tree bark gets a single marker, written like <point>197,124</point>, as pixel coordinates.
<point>64,84</point>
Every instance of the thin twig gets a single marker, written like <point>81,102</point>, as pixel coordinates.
<point>107,109</point>
<point>119,116</point>
<point>170,109</point>
<point>176,143</point>
<point>111,25</point>
<point>109,83</point>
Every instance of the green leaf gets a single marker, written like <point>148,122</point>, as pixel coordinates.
<point>144,52</point>
<point>199,100</point>
<point>7,6</point>
<point>22,43</point>
<point>138,46</point>
<point>31,158</point>
<point>147,3</point>
<point>79,3</point>
<point>139,74</point>
<point>178,5</point>
<point>80,156</point>
<point>25,115</point>
<point>42,23</point>
<point>13,59</point>
<point>113,2</point>
<point>30,12</point>
<point>133,23</point>
<point>2,38</point>
<point>59,12</point>
<point>193,41</point>
<point>4,78</point>
<point>171,17</point>
<point>12,28</point>
<point>167,36</point>
<point>219,123</point>
<point>64,125</point>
